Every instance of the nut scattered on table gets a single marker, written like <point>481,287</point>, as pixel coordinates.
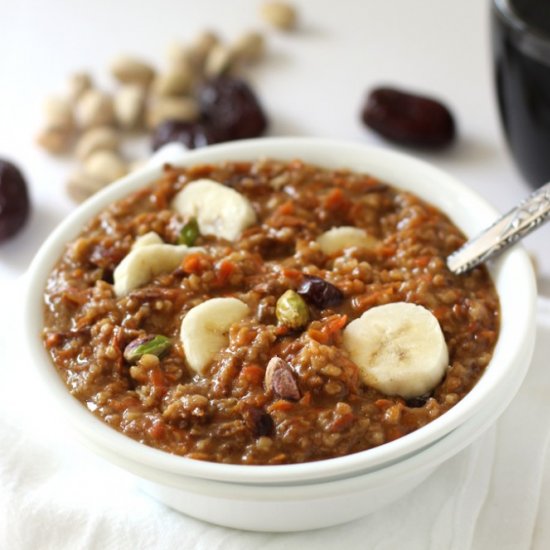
<point>102,138</point>
<point>105,165</point>
<point>77,84</point>
<point>248,48</point>
<point>279,14</point>
<point>183,109</point>
<point>129,105</point>
<point>94,108</point>
<point>94,124</point>
<point>131,70</point>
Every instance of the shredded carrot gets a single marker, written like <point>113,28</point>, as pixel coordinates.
<point>383,404</point>
<point>291,273</point>
<point>157,430</point>
<point>281,405</point>
<point>53,339</point>
<point>281,330</point>
<point>334,324</point>
<point>394,432</point>
<point>337,200</point>
<point>306,399</point>
<point>318,335</point>
<point>194,263</point>
<point>253,373</point>
<point>224,271</point>
<point>387,251</point>
<point>157,378</point>
<point>285,209</point>
<point>422,261</point>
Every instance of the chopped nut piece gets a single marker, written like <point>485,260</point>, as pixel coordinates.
<point>279,378</point>
<point>144,349</point>
<point>279,14</point>
<point>131,70</point>
<point>291,310</point>
<point>94,108</point>
<point>102,138</point>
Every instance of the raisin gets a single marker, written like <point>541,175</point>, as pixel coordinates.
<point>230,106</point>
<point>14,200</point>
<point>409,119</point>
<point>191,134</point>
<point>319,292</point>
<point>259,422</point>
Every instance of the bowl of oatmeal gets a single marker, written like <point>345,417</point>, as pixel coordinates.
<point>275,314</point>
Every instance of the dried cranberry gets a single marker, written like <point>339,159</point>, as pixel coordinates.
<point>14,200</point>
<point>409,119</point>
<point>191,134</point>
<point>260,422</point>
<point>229,105</point>
<point>319,292</point>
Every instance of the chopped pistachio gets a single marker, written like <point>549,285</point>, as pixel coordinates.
<point>150,345</point>
<point>189,233</point>
<point>291,310</point>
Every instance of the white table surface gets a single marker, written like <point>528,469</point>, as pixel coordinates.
<point>312,83</point>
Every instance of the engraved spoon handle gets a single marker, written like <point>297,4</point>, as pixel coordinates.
<point>507,230</point>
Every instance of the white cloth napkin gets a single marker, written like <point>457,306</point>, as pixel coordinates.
<point>54,494</point>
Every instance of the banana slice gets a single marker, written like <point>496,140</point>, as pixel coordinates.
<point>147,239</point>
<point>149,257</point>
<point>399,349</point>
<point>340,238</point>
<point>205,327</point>
<point>219,210</point>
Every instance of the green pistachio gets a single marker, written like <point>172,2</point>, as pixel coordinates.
<point>154,345</point>
<point>189,233</point>
<point>291,310</point>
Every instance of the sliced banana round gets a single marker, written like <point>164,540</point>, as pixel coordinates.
<point>340,238</point>
<point>149,257</point>
<point>219,210</point>
<point>204,329</point>
<point>399,349</point>
<point>147,239</point>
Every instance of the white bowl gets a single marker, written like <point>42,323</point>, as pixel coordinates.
<point>512,274</point>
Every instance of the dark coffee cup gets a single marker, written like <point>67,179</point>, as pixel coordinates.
<point>521,49</point>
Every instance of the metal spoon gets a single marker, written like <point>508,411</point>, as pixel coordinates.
<point>507,230</point>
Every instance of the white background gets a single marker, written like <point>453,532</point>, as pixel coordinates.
<point>312,83</point>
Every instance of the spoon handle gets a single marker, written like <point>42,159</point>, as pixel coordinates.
<point>510,228</point>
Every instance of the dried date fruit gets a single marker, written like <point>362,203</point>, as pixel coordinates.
<point>279,379</point>
<point>14,200</point>
<point>319,292</point>
<point>409,119</point>
<point>229,105</point>
<point>191,134</point>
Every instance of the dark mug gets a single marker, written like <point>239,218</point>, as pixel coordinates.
<point>521,50</point>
